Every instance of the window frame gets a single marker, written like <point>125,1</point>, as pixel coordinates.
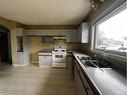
<point>93,35</point>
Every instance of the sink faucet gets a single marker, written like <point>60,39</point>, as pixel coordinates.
<point>99,58</point>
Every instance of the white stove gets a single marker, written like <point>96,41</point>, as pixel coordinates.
<point>59,58</point>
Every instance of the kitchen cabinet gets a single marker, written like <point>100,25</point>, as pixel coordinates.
<point>19,31</point>
<point>19,43</point>
<point>78,83</point>
<point>20,52</point>
<point>72,36</point>
<point>45,60</point>
<point>19,34</point>
<point>47,39</point>
<point>82,85</point>
<point>22,47</point>
<point>73,65</point>
<point>20,58</point>
<point>69,60</point>
<point>83,33</point>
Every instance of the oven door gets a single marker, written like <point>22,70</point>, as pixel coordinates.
<point>59,58</point>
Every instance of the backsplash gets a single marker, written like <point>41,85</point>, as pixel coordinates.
<point>59,43</point>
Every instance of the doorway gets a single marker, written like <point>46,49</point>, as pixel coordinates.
<point>5,46</point>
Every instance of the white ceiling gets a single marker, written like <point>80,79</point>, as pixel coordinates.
<point>45,12</point>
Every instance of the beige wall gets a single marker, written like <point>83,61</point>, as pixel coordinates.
<point>36,45</point>
<point>12,27</point>
<point>34,48</point>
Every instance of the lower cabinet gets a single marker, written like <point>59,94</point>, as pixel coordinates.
<point>20,58</point>
<point>82,85</point>
<point>79,84</point>
<point>69,60</point>
<point>45,60</point>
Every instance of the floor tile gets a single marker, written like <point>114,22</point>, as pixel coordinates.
<point>33,80</point>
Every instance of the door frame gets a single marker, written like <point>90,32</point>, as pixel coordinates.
<point>6,30</point>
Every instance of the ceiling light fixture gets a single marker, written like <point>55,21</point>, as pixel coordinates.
<point>95,3</point>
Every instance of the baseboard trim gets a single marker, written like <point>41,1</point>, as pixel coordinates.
<point>20,64</point>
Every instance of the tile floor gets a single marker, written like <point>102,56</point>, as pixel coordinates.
<point>33,80</point>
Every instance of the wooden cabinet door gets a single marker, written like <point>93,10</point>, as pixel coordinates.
<point>83,32</point>
<point>79,84</point>
<point>86,84</point>
<point>69,62</point>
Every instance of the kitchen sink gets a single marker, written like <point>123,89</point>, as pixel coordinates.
<point>94,62</point>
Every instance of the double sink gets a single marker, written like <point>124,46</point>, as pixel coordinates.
<point>94,62</point>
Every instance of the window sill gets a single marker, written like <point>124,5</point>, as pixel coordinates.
<point>110,55</point>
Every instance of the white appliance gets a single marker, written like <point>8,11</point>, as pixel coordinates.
<point>59,58</point>
<point>45,59</point>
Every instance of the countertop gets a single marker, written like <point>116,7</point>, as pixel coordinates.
<point>107,82</point>
<point>45,53</point>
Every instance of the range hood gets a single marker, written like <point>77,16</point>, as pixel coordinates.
<point>60,37</point>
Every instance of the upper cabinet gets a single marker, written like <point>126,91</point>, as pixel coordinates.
<point>47,39</point>
<point>19,34</point>
<point>83,33</point>
<point>72,36</point>
<point>19,44</point>
<point>19,31</point>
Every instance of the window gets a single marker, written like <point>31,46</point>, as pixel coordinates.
<point>111,34</point>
